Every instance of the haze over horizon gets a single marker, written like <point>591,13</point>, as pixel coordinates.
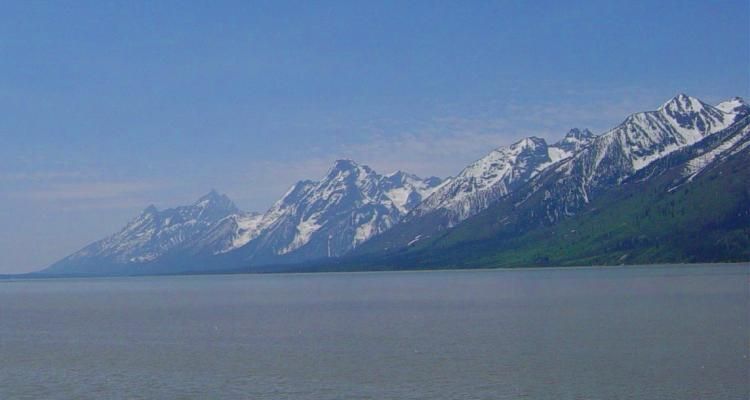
<point>112,107</point>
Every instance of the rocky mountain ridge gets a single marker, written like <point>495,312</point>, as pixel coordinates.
<point>355,211</point>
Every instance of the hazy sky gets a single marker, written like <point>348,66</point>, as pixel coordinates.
<point>108,107</point>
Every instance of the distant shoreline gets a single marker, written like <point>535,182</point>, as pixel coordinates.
<point>40,276</point>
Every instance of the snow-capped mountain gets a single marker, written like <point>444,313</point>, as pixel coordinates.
<point>231,232</point>
<point>155,234</point>
<point>574,140</point>
<point>565,176</point>
<point>634,144</point>
<point>330,217</point>
<point>727,143</point>
<point>691,205</point>
<point>313,219</point>
<point>582,158</point>
<point>495,175</point>
<point>406,190</point>
<point>736,105</point>
<point>529,183</point>
<point>646,136</point>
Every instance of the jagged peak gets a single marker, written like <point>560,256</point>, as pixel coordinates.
<point>505,154</point>
<point>580,134</point>
<point>575,139</point>
<point>681,104</point>
<point>211,195</point>
<point>401,176</point>
<point>398,173</point>
<point>528,143</point>
<point>214,199</point>
<point>346,165</point>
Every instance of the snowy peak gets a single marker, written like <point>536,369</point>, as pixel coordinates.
<point>735,105</point>
<point>690,113</point>
<point>213,197</point>
<point>574,140</point>
<point>346,178</point>
<point>400,177</point>
<point>406,191</point>
<point>329,217</point>
<point>530,142</point>
<point>527,145</point>
<point>573,171</point>
<point>207,209</point>
<point>502,160</point>
<point>215,205</point>
<point>630,147</point>
<point>344,164</point>
<point>578,135</point>
<point>682,104</point>
<point>528,152</point>
<point>352,202</point>
<point>347,181</point>
<point>639,140</point>
<point>346,167</point>
<point>646,136</point>
<point>156,233</point>
<point>489,178</point>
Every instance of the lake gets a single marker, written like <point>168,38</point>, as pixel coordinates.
<point>660,332</point>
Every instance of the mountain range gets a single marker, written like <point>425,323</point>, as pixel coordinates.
<point>669,185</point>
<point>314,219</point>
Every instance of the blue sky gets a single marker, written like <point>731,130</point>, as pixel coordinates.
<point>111,106</point>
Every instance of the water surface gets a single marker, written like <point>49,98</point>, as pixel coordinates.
<point>609,333</point>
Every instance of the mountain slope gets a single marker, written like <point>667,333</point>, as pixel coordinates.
<point>627,149</point>
<point>330,217</point>
<point>152,236</point>
<point>644,190</point>
<point>312,220</point>
<point>497,174</point>
<point>478,186</point>
<point>669,211</point>
<point>602,162</point>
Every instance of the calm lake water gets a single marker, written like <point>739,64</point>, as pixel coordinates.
<point>614,333</point>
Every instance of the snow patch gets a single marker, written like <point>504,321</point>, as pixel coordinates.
<point>415,240</point>
<point>366,230</point>
<point>305,230</point>
<point>698,164</point>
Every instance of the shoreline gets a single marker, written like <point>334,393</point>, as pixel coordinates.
<point>37,276</point>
